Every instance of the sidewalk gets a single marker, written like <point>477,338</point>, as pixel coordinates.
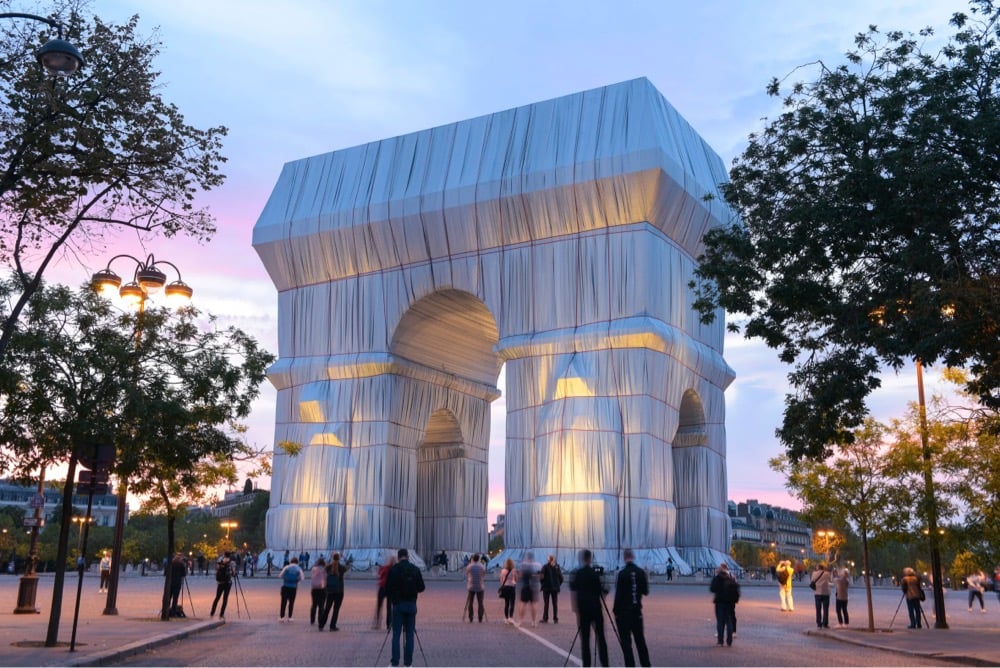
<point>958,644</point>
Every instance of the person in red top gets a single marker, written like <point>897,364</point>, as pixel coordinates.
<point>383,577</point>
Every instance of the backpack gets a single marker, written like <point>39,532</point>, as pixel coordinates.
<point>732,589</point>
<point>408,588</point>
<point>223,573</point>
<point>782,576</point>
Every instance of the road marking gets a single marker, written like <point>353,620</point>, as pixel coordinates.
<point>555,648</point>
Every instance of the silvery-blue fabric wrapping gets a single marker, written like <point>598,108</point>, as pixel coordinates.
<point>557,238</point>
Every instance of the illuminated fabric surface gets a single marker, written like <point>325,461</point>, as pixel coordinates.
<point>556,238</point>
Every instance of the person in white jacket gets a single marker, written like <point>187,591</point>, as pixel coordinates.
<point>841,582</point>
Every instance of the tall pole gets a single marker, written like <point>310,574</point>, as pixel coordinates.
<point>929,499</point>
<point>111,605</point>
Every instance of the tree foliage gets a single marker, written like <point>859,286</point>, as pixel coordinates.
<point>869,231</point>
<point>97,151</point>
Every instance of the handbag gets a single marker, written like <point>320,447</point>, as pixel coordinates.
<point>500,590</point>
<point>923,596</point>
<point>812,585</point>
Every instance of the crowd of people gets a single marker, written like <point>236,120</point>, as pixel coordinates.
<point>523,585</point>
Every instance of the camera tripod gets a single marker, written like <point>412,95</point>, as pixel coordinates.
<point>900,604</point>
<point>239,594</point>
<point>416,637</point>
<point>611,620</point>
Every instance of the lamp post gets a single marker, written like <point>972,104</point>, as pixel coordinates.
<point>147,279</point>
<point>79,536</point>
<point>57,56</point>
<point>227,525</point>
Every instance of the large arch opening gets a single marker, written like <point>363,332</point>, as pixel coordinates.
<point>449,338</point>
<point>451,332</point>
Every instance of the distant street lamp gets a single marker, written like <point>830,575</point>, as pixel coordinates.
<point>147,279</point>
<point>825,542</point>
<point>57,56</point>
<point>227,525</point>
<point>78,521</point>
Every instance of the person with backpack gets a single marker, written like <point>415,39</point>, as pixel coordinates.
<point>317,591</point>
<point>727,595</point>
<point>290,576</point>
<point>404,584</point>
<point>223,583</point>
<point>631,586</point>
<point>784,574</point>
<point>334,592</point>
<point>552,579</point>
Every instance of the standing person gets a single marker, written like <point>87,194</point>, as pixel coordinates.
<point>588,589</point>
<point>842,581</point>
<point>475,574</point>
<point>819,582</point>
<point>913,593</point>
<point>670,569</point>
<point>383,595</point>
<point>178,571</point>
<point>404,584</point>
<point>224,570</point>
<point>552,579</point>
<point>105,567</point>
<point>727,595</point>
<point>317,591</point>
<point>528,577</point>
<point>290,576</point>
<point>508,589</point>
<point>785,575</point>
<point>996,582</point>
<point>976,582</point>
<point>334,592</point>
<point>631,586</point>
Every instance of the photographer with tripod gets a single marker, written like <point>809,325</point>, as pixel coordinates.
<point>224,571</point>
<point>588,591</point>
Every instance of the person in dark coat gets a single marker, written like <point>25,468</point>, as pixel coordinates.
<point>727,595</point>
<point>588,589</point>
<point>334,592</point>
<point>404,584</point>
<point>631,586</point>
<point>178,571</point>
<point>224,571</point>
<point>552,579</point>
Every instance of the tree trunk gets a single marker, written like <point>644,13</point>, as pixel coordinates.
<point>165,608</point>
<point>868,579</point>
<point>52,635</point>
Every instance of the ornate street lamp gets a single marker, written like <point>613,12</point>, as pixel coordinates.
<point>57,56</point>
<point>147,279</point>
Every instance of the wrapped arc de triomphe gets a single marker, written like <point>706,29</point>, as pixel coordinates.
<point>557,238</point>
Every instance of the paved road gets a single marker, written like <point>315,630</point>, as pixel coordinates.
<point>680,629</point>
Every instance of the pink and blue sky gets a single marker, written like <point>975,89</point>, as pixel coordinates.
<point>303,77</point>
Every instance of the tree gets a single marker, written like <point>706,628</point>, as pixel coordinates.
<point>859,486</point>
<point>170,399</point>
<point>92,153</point>
<point>869,219</point>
